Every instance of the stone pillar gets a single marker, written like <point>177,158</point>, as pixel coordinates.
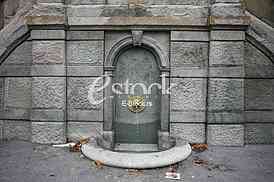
<point>48,114</point>
<point>225,100</point>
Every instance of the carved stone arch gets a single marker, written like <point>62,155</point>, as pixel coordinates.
<point>146,42</point>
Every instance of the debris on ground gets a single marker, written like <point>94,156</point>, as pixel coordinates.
<point>199,147</point>
<point>172,172</point>
<point>172,175</point>
<point>77,146</point>
<point>199,162</point>
<point>98,164</point>
<point>134,172</point>
<point>71,144</point>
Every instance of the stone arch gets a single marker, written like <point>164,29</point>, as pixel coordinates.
<point>146,42</point>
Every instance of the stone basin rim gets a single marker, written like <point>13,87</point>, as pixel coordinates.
<point>132,160</point>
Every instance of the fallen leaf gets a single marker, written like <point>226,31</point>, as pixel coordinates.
<point>98,164</point>
<point>199,147</point>
<point>199,162</point>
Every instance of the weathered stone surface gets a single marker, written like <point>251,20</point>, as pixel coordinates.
<point>124,11</point>
<point>15,114</point>
<point>48,132</point>
<point>85,52</point>
<point>48,92</point>
<point>225,117</point>
<point>259,116</point>
<point>189,36</point>
<point>259,94</point>
<point>48,52</point>
<point>226,1</point>
<point>189,94</point>
<point>17,130</point>
<point>18,92</point>
<point>2,86</point>
<point>15,70</point>
<point>187,116</point>
<point>227,10</point>
<point>162,2</point>
<point>54,9</point>
<point>85,35</point>
<point>225,94</point>
<point>85,2</point>
<point>194,133</point>
<point>225,135</point>
<point>226,53</point>
<point>78,130</point>
<point>47,34</point>
<point>191,54</point>
<point>85,115</point>
<point>227,35</point>
<point>128,21</point>
<point>84,70</point>
<point>259,134</point>
<point>50,1</point>
<point>22,55</point>
<point>48,70</point>
<point>47,115</point>
<point>189,58</point>
<point>78,89</point>
<point>226,71</point>
<point>1,130</point>
<point>261,31</point>
<point>257,64</point>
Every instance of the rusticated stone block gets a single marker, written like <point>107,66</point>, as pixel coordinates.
<point>48,92</point>
<point>259,134</point>
<point>22,55</point>
<point>48,52</point>
<point>226,53</point>
<point>78,130</point>
<point>194,133</point>
<point>48,132</point>
<point>227,10</point>
<point>47,34</point>
<point>78,89</point>
<point>225,135</point>
<point>17,130</point>
<point>257,64</point>
<point>189,59</point>
<point>189,36</point>
<point>189,54</point>
<point>85,52</point>
<point>259,94</point>
<point>188,94</point>
<point>225,94</point>
<point>187,116</point>
<point>227,35</point>
<point>85,35</point>
<point>18,92</point>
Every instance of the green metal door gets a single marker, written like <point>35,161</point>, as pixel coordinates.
<point>137,124</point>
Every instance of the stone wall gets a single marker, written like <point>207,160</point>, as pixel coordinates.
<point>223,93</point>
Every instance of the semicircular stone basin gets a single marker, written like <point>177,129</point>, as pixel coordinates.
<point>137,160</point>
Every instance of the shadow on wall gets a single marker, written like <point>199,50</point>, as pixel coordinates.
<point>264,9</point>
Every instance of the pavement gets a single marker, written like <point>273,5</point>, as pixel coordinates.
<point>26,162</point>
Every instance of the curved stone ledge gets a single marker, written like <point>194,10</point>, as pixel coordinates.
<point>261,32</point>
<point>137,160</point>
